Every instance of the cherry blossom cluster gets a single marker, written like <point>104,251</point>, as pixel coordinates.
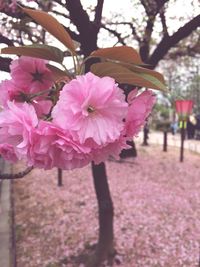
<point>88,119</point>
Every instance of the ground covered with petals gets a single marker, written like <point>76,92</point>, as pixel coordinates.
<point>157,212</point>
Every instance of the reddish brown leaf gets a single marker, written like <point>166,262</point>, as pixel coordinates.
<point>139,69</point>
<point>52,26</point>
<point>124,75</point>
<point>39,51</point>
<point>119,53</point>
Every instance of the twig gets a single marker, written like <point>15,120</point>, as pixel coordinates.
<point>10,176</point>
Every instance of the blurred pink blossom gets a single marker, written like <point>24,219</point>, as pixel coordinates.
<point>17,123</point>
<point>31,74</point>
<point>92,108</point>
<point>138,111</point>
<point>7,152</point>
<point>42,107</point>
<point>102,153</point>
<point>54,147</point>
<point>8,91</point>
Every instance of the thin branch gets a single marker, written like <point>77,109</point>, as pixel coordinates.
<point>19,175</point>
<point>145,43</point>
<point>130,24</point>
<point>163,21</point>
<point>115,33</point>
<point>160,4</point>
<point>60,14</point>
<point>152,7</point>
<point>60,3</point>
<point>18,14</point>
<point>191,51</point>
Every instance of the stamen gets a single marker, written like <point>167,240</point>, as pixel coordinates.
<point>90,109</point>
<point>37,76</point>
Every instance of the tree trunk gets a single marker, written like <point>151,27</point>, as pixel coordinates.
<point>145,135</point>
<point>105,245</point>
<point>130,152</point>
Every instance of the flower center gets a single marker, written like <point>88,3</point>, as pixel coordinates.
<point>37,76</point>
<point>90,109</point>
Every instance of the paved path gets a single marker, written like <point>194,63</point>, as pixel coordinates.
<point>172,140</point>
<point>5,219</point>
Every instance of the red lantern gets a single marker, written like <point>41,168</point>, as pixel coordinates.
<point>184,108</point>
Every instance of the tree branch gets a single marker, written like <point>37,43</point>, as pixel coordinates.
<point>78,15</point>
<point>130,24</point>
<point>191,51</point>
<point>98,13</point>
<point>145,43</point>
<point>88,30</point>
<point>163,21</point>
<point>5,40</point>
<point>10,176</point>
<point>18,14</point>
<point>73,35</point>
<point>170,41</point>
<point>152,7</point>
<point>115,33</point>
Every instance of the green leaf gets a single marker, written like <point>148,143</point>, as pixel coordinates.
<point>39,51</point>
<point>119,53</point>
<point>124,75</point>
<point>52,26</point>
<point>142,70</point>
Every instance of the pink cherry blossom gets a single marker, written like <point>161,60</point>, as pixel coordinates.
<point>31,74</point>
<point>8,91</point>
<point>17,123</point>
<point>92,108</point>
<point>8,153</point>
<point>54,147</point>
<point>102,153</point>
<point>42,107</point>
<point>91,120</point>
<point>138,111</point>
